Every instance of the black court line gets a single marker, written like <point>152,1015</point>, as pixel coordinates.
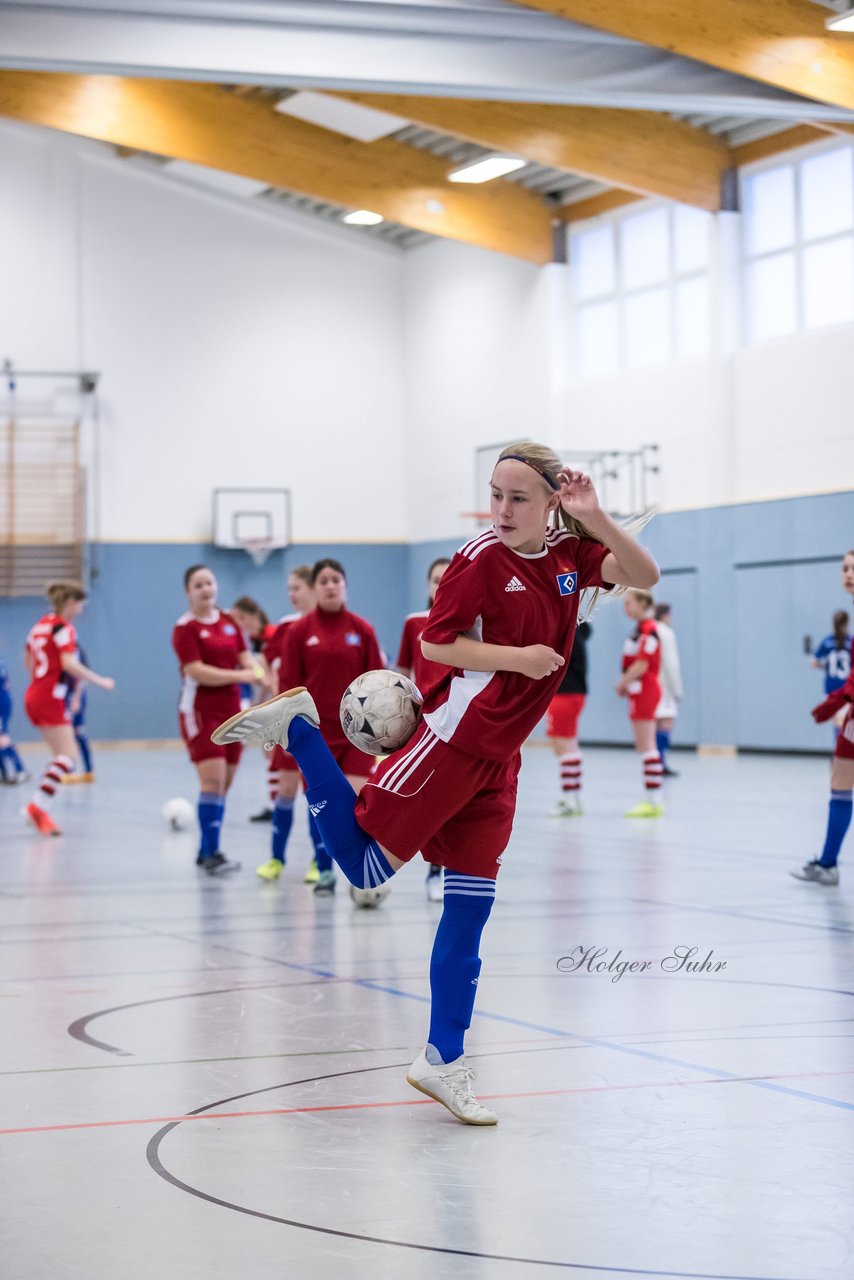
<point>156,1164</point>
<point>77,1029</point>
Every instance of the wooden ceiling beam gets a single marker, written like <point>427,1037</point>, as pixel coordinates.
<point>776,143</point>
<point>783,43</point>
<point>745,153</point>
<point>641,151</point>
<point>205,125</point>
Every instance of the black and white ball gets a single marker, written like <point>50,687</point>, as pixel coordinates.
<point>379,712</point>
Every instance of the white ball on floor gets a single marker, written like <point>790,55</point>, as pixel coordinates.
<point>179,813</point>
<point>369,897</point>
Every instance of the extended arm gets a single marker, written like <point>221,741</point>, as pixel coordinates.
<point>76,669</point>
<point>627,564</point>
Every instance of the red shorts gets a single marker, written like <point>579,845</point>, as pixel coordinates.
<point>455,808</point>
<point>562,715</point>
<point>196,730</point>
<point>45,709</point>
<point>845,738</point>
<point>643,705</point>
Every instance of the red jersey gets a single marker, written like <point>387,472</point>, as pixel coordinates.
<point>49,639</point>
<point>325,651</point>
<point>274,645</point>
<point>643,643</point>
<point>410,658</point>
<point>218,643</point>
<point>505,597</point>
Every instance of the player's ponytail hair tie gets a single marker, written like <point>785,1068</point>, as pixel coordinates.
<point>517,457</point>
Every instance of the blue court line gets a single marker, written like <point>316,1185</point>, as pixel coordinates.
<point>715,1072</point>
<point>634,1052</point>
<point>743,915</point>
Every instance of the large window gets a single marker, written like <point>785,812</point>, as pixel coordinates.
<point>798,236</point>
<point>641,290</point>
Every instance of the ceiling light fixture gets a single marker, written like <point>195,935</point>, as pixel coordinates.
<point>363,218</point>
<point>486,170</point>
<point>841,21</point>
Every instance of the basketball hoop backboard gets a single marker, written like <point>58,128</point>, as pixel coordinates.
<point>252,519</point>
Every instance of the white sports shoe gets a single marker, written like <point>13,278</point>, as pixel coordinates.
<point>267,722</point>
<point>450,1084</point>
<point>815,871</point>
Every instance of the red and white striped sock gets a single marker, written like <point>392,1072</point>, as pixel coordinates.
<point>570,774</point>
<point>652,768</point>
<point>50,780</point>
<point>273,786</point>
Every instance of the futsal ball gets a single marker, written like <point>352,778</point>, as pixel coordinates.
<point>369,897</point>
<point>379,712</point>
<point>179,813</point>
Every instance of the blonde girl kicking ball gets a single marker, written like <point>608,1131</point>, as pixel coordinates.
<point>503,623</point>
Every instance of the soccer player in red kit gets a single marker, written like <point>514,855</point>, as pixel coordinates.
<point>824,869</point>
<point>640,684</point>
<point>412,663</point>
<point>214,659</point>
<point>51,657</point>
<point>325,651</point>
<point>284,775</point>
<point>503,622</point>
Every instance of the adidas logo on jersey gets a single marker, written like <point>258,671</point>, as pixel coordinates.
<point>515,585</point>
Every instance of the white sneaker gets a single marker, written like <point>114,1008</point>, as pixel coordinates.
<point>815,871</point>
<point>566,809</point>
<point>450,1084</point>
<point>267,722</point>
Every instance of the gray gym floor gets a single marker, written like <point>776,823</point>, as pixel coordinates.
<point>206,1078</point>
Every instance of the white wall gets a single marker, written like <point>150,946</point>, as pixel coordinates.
<point>246,347</point>
<point>237,346</point>
<point>488,357</point>
<point>478,368</point>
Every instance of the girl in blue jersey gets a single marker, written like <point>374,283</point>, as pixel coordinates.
<point>11,764</point>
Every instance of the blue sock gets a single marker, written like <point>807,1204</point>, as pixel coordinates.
<point>455,964</point>
<point>283,816</point>
<point>331,800</point>
<point>321,857</point>
<point>211,809</point>
<point>662,742</point>
<point>83,748</point>
<point>838,821</point>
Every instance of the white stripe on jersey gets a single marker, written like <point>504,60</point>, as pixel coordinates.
<point>462,692</point>
<point>473,549</point>
<point>187,705</point>
<point>553,536</point>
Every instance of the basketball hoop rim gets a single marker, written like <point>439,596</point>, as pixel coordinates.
<point>259,549</point>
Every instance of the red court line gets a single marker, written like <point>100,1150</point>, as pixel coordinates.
<point>415,1102</point>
